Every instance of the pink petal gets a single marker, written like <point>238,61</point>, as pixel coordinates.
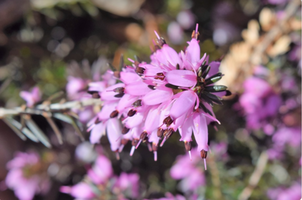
<point>152,121</point>
<point>200,131</point>
<point>193,51</point>
<point>183,104</point>
<point>129,77</point>
<point>157,96</point>
<point>114,133</point>
<point>97,132</point>
<point>82,190</point>
<point>184,78</point>
<point>171,55</point>
<point>214,68</point>
<point>138,88</point>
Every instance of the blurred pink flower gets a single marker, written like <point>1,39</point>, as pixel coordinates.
<point>31,97</point>
<point>25,177</point>
<point>281,193</point>
<point>187,169</point>
<point>100,180</point>
<point>76,87</point>
<point>259,102</point>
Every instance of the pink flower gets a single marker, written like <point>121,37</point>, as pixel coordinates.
<point>23,178</point>
<point>81,190</point>
<point>31,97</point>
<point>186,169</point>
<point>293,192</point>
<point>259,96</point>
<point>175,91</point>
<point>100,181</point>
<point>128,184</point>
<point>76,87</point>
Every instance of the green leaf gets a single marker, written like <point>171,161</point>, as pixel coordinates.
<point>38,133</point>
<point>22,129</point>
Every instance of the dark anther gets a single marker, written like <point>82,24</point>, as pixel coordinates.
<point>168,133</point>
<point>97,120</point>
<point>139,70</point>
<point>131,112</point>
<point>152,87</point>
<point>125,130</point>
<point>160,76</point>
<point>119,90</point>
<point>143,135</point>
<point>137,103</point>
<point>195,35</point>
<point>161,41</point>
<point>203,154</point>
<point>160,132</point>
<point>96,95</point>
<point>168,121</point>
<point>116,74</point>
<point>228,93</point>
<point>188,146</point>
<point>154,147</point>
<point>168,85</point>
<point>156,47</point>
<point>124,141</point>
<point>119,95</point>
<point>114,114</point>
<point>134,142</point>
<point>146,139</point>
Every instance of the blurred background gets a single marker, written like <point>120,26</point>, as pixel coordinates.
<point>255,152</point>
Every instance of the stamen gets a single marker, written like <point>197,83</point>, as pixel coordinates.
<point>132,150</point>
<point>162,142</point>
<point>117,155</point>
<point>155,155</point>
<point>131,60</point>
<point>149,147</point>
<point>190,155</point>
<point>196,29</point>
<point>139,142</point>
<point>205,164</point>
<point>90,127</point>
<point>121,148</point>
<point>157,35</point>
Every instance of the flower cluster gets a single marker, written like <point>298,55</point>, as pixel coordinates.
<point>276,114</point>
<point>27,176</point>
<point>281,193</point>
<point>190,172</point>
<point>175,91</point>
<point>259,96</point>
<point>100,181</point>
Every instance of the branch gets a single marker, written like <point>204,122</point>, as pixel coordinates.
<point>49,108</point>
<point>255,177</point>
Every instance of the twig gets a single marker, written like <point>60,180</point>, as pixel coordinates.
<point>255,177</point>
<point>55,107</point>
<point>214,172</point>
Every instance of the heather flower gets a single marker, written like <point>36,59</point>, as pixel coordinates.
<point>27,176</point>
<point>175,91</point>
<point>281,193</point>
<point>76,87</point>
<point>31,97</point>
<point>101,182</point>
<point>188,170</point>
<point>259,96</point>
